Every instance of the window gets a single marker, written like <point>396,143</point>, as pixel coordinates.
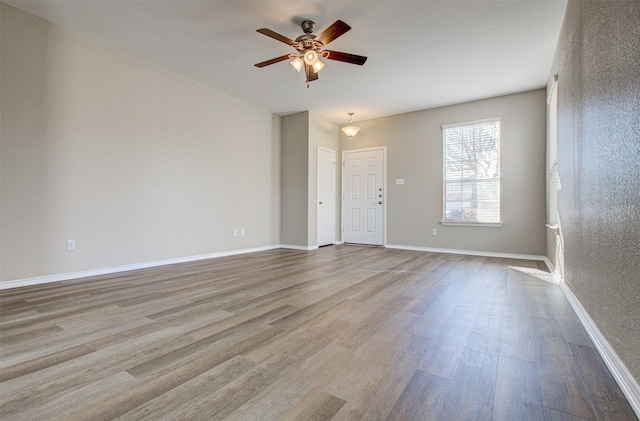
<point>472,173</point>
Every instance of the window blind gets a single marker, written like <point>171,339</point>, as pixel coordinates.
<point>472,172</point>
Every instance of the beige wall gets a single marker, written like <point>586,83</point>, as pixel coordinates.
<point>599,164</point>
<point>295,179</point>
<point>133,162</point>
<point>302,133</point>
<point>414,153</point>
<point>276,185</point>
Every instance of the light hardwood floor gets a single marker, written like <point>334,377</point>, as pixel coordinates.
<point>342,333</point>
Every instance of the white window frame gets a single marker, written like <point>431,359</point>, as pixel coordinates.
<point>467,223</point>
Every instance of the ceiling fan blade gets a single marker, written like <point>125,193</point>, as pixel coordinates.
<point>346,57</point>
<point>334,31</point>
<point>275,35</point>
<point>272,61</point>
<point>311,75</point>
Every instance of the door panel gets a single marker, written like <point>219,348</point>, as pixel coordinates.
<point>363,196</point>
<point>355,187</point>
<point>326,196</point>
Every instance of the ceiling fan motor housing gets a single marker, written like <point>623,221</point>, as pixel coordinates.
<point>308,43</point>
<point>308,26</point>
<point>307,40</point>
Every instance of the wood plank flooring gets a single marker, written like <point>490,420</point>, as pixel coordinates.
<point>340,333</point>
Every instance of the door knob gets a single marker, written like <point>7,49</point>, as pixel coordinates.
<point>320,203</point>
<point>380,202</point>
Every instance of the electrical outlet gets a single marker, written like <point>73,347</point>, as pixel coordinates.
<point>71,245</point>
<point>235,233</point>
<point>242,232</point>
<point>434,232</point>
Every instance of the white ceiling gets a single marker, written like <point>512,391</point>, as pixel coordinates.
<point>422,54</point>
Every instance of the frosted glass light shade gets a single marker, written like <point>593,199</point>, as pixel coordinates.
<point>317,66</point>
<point>297,63</point>
<point>310,57</point>
<point>351,130</point>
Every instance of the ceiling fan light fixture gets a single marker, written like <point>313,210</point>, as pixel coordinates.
<point>310,57</point>
<point>317,66</point>
<point>350,130</point>
<point>297,63</point>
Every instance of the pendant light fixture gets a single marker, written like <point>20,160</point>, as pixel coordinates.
<point>351,130</point>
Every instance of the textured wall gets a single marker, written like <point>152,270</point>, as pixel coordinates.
<point>414,153</point>
<point>599,164</point>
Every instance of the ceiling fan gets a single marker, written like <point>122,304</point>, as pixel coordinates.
<point>310,48</point>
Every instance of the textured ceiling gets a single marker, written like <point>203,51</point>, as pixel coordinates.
<point>422,54</point>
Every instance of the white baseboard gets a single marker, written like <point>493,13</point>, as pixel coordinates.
<point>17,283</point>
<point>115,269</point>
<point>618,370</point>
<point>469,252</point>
<point>552,270</point>
<point>296,247</point>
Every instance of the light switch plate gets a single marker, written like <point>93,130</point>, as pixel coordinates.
<point>399,181</point>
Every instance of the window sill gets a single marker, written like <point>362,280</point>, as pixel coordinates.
<point>473,224</point>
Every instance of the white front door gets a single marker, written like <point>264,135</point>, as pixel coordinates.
<point>363,194</point>
<point>326,196</point>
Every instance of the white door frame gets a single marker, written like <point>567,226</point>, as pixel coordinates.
<point>384,190</point>
<point>333,152</point>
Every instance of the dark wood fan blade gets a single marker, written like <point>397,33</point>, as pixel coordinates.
<point>311,75</point>
<point>334,31</point>
<point>275,35</point>
<point>346,57</point>
<point>272,61</point>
